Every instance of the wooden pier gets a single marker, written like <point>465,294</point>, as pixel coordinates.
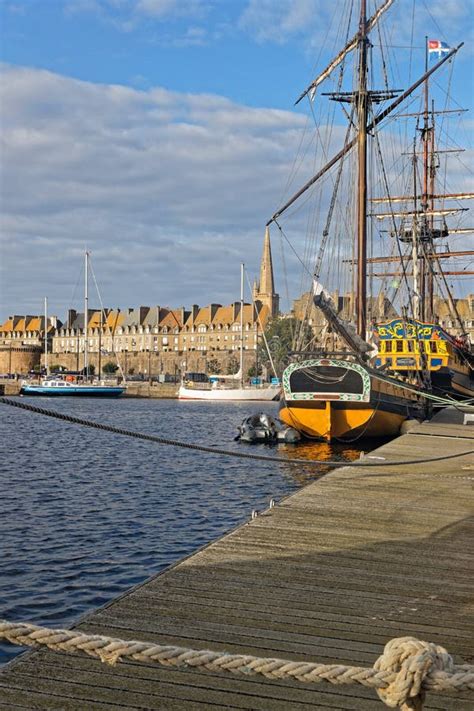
<point>330,574</point>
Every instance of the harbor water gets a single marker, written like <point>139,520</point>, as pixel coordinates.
<point>88,514</point>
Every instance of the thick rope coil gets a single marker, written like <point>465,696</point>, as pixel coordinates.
<point>401,676</point>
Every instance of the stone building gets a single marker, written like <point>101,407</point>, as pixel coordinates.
<point>154,340</point>
<point>22,342</point>
<point>446,318</point>
<point>380,309</point>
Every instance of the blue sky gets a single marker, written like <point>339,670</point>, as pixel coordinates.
<point>161,133</point>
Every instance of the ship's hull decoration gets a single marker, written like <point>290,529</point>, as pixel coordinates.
<point>399,328</point>
<point>363,405</point>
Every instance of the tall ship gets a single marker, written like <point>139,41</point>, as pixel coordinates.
<point>383,191</point>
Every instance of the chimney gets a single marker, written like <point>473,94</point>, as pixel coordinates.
<point>142,313</point>
<point>235,310</point>
<point>213,310</point>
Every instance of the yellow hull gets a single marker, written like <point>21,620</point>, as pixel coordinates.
<point>329,423</point>
<point>320,400</point>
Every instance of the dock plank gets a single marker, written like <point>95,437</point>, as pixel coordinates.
<point>330,574</point>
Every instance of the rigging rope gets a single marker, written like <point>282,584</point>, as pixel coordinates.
<point>215,450</point>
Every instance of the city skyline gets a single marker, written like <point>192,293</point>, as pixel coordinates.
<point>164,147</point>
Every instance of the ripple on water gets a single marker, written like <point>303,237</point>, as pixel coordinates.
<point>90,514</point>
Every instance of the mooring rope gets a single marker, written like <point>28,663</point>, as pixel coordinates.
<point>407,668</point>
<point>216,450</point>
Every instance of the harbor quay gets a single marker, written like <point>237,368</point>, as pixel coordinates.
<point>134,389</point>
<point>328,575</point>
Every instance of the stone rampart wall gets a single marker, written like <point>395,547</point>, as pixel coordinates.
<point>19,360</point>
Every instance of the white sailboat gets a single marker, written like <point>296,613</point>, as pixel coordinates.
<point>231,387</point>
<point>58,386</point>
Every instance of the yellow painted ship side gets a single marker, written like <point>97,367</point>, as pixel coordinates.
<point>416,346</point>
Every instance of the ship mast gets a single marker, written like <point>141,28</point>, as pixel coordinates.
<point>417,297</point>
<point>426,276</point>
<point>362,113</point>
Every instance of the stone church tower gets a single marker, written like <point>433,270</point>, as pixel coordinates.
<point>264,291</point>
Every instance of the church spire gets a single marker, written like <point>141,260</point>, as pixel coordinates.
<point>266,267</point>
<point>266,289</point>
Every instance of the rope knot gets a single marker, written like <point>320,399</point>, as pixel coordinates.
<point>412,661</point>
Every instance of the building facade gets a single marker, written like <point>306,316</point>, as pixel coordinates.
<point>157,340</point>
<point>22,341</point>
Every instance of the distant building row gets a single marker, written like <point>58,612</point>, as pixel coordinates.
<point>146,333</point>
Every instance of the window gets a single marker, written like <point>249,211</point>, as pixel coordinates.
<point>433,346</point>
<point>388,346</point>
<point>411,346</point>
<point>399,346</point>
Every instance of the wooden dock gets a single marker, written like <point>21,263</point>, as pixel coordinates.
<point>330,574</point>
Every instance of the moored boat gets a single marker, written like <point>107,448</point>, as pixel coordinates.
<point>221,388</point>
<point>224,392</point>
<point>54,387</point>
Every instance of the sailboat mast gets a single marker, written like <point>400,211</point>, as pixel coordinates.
<point>362,113</point>
<point>46,363</point>
<point>241,368</point>
<point>86,314</point>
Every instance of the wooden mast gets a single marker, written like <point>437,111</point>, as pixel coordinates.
<point>426,276</point>
<point>431,187</point>
<point>362,113</point>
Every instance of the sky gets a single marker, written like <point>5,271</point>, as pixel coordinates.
<point>160,134</point>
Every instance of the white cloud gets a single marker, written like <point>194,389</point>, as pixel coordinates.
<point>170,191</point>
<point>279,22</point>
<point>167,8</point>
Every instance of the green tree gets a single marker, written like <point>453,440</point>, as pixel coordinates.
<point>110,367</point>
<point>254,371</point>
<point>56,368</point>
<point>279,335</point>
<point>213,366</point>
<point>232,365</point>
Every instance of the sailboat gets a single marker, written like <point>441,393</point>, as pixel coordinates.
<point>54,386</point>
<point>231,387</point>
<point>380,374</point>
